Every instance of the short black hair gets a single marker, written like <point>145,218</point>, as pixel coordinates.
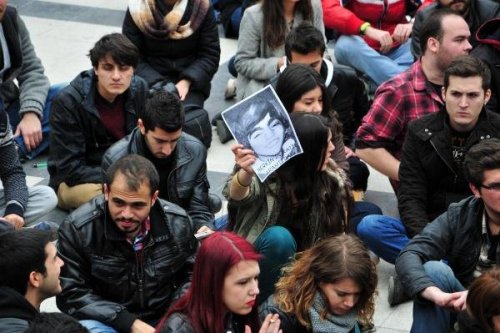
<point>163,110</point>
<point>137,170</point>
<point>432,26</point>
<point>22,252</point>
<point>118,47</point>
<point>304,39</point>
<point>468,66</point>
<point>481,157</point>
<point>55,322</point>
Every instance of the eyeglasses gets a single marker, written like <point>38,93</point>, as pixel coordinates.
<point>492,187</point>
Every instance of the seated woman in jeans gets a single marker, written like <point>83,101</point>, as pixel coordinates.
<point>305,200</point>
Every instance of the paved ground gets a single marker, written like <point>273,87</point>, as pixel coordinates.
<point>64,30</point>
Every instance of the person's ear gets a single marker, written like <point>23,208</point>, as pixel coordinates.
<point>487,96</point>
<point>155,197</point>
<point>433,44</point>
<point>35,279</point>
<point>140,124</point>
<point>443,94</point>
<point>475,190</point>
<point>106,191</point>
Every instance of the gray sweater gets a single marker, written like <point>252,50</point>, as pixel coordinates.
<point>26,68</point>
<point>256,62</point>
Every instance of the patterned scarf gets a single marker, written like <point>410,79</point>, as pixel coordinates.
<point>165,24</point>
<point>332,323</point>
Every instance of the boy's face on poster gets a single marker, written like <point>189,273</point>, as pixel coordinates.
<point>267,136</point>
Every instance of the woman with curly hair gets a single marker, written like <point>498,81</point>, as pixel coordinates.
<point>328,288</point>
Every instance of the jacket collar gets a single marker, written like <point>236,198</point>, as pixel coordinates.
<point>14,305</point>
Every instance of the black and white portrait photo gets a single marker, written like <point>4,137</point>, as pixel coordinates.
<point>261,123</point>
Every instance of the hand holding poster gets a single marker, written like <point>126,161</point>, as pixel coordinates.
<point>261,123</point>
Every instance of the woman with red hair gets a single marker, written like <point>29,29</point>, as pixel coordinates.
<point>223,291</point>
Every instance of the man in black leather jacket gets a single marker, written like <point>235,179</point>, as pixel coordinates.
<point>128,254</point>
<point>465,238</point>
<point>474,12</point>
<point>99,107</point>
<point>179,158</point>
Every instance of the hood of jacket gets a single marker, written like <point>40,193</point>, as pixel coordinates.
<point>14,305</point>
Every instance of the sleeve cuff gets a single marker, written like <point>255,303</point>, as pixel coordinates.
<point>14,207</point>
<point>123,321</point>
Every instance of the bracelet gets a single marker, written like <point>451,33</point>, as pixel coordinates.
<point>238,180</point>
<point>363,27</point>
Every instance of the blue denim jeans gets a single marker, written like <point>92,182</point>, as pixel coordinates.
<point>353,51</point>
<point>427,316</point>
<point>361,209</point>
<point>384,235</point>
<point>14,119</point>
<point>94,326</point>
<point>277,247</point>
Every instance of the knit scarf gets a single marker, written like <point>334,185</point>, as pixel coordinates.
<point>165,24</point>
<point>332,323</point>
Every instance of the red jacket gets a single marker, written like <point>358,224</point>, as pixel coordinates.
<point>347,18</point>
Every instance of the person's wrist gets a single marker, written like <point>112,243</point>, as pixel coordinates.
<point>239,182</point>
<point>363,28</point>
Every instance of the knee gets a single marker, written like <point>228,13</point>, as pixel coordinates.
<point>277,242</point>
<point>369,227</point>
<point>45,194</point>
<point>437,269</point>
<point>346,44</point>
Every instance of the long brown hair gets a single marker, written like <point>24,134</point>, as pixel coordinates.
<point>275,26</point>
<point>329,261</point>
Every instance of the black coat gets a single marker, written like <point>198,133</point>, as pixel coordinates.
<point>15,311</point>
<point>103,278</point>
<point>429,179</point>
<point>78,139</point>
<point>195,58</point>
<point>187,184</point>
<point>179,323</point>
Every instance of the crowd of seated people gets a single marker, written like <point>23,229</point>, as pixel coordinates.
<point>140,249</point>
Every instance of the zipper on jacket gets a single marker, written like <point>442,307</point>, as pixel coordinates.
<point>384,12</point>
<point>139,258</point>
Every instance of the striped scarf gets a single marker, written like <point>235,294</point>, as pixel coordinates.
<point>165,24</point>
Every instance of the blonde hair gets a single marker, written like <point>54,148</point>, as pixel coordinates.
<point>329,261</point>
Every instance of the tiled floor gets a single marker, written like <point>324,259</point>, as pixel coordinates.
<point>64,30</point>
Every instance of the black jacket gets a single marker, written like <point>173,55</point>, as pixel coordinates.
<point>455,235</point>
<point>179,323</point>
<point>15,311</point>
<point>195,58</point>
<point>103,278</point>
<point>187,183</point>
<point>78,139</point>
<point>480,11</point>
<point>488,50</point>
<point>430,180</point>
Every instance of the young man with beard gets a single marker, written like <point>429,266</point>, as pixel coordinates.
<point>411,94</point>
<point>474,12</point>
<point>128,253</point>
<point>30,269</point>
<point>179,158</point>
